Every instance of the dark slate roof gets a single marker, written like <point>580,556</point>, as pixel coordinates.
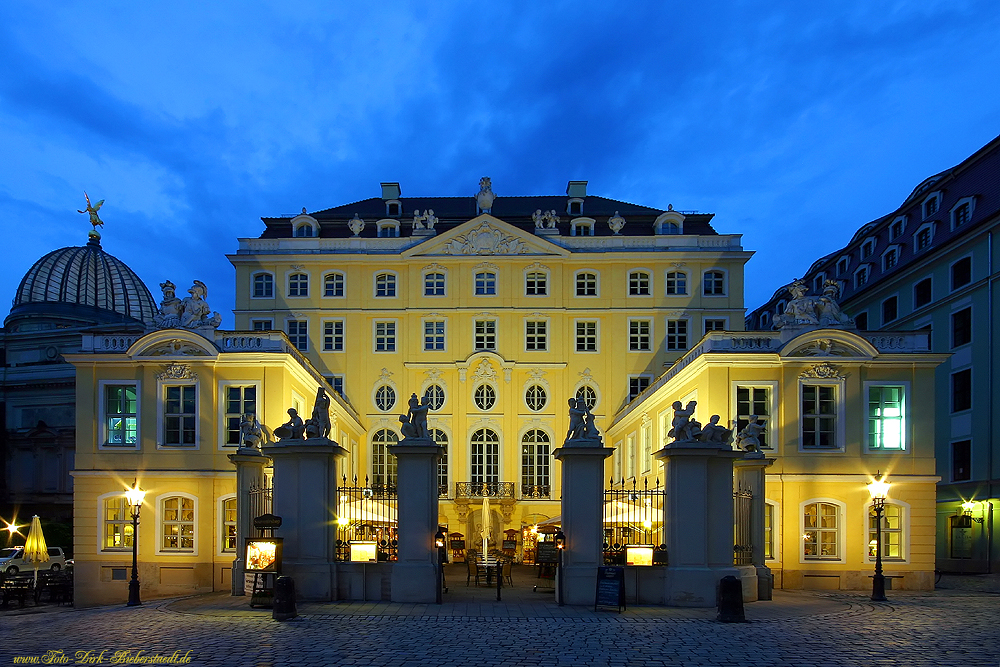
<point>454,211</point>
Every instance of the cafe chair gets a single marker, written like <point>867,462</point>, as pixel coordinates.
<point>473,571</point>
<point>506,573</point>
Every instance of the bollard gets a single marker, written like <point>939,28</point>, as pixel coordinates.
<point>730,600</point>
<point>284,599</point>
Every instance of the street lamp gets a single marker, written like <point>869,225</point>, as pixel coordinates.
<point>879,490</point>
<point>439,543</point>
<point>560,541</point>
<point>134,497</point>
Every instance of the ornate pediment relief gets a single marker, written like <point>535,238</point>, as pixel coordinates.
<point>824,371</point>
<point>176,372</point>
<point>486,235</point>
<point>175,347</point>
<point>826,347</point>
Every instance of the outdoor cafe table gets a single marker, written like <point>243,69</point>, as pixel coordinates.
<point>487,566</point>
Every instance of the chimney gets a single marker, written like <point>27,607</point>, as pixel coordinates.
<point>576,189</point>
<point>391,191</point>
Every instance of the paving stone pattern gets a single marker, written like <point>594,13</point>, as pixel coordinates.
<point>954,625</point>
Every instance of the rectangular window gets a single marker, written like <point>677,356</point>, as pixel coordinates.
<point>120,415</point>
<point>891,534</point>
<point>263,286</point>
<point>961,461</point>
<point>636,385</point>
<point>117,521</point>
<point>536,335</point>
<point>434,284</point>
<point>820,531</point>
<point>924,238</point>
<point>536,284</point>
<point>715,325</point>
<point>867,248</point>
<point>486,283</point>
<point>861,276</point>
<point>647,447</point>
<point>177,524</point>
<point>336,382</point>
<point>385,336</point>
<point>768,531</point>
<point>714,283</point>
<point>298,334</point>
<point>640,335</point>
<point>861,321</point>
<point>434,335</point>
<point>229,524</point>
<point>961,390</point>
<point>922,293</point>
<point>638,283</point>
<point>385,285</point>
<point>889,310</point>
<point>586,336</point>
<point>240,400</point>
<point>676,283</point>
<point>889,259</point>
<point>298,284</point>
<point>180,414</point>
<point>961,215</point>
<point>961,273</point>
<point>819,416</point>
<point>754,402</point>
<point>333,336</point>
<point>261,325</point>
<point>961,327</point>
<point>896,229</point>
<point>333,285</point>
<point>586,284</point>
<point>886,421</point>
<point>486,335</point>
<point>677,334</point>
<point>842,266</point>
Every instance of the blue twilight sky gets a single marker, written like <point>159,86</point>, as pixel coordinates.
<point>794,122</point>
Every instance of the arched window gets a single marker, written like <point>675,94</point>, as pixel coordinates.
<point>589,396</point>
<point>677,283</point>
<point>714,283</point>
<point>486,283</point>
<point>535,397</point>
<point>440,438</point>
<point>485,458</point>
<point>229,524</point>
<point>383,463</point>
<point>117,524</point>
<point>385,398</point>
<point>434,284</point>
<point>435,396</point>
<point>821,531</point>
<point>263,286</point>
<point>638,283</point>
<point>177,523</point>
<point>535,464</point>
<point>893,523</point>
<point>298,284</point>
<point>586,284</point>
<point>304,230</point>
<point>385,285</point>
<point>485,397</point>
<point>333,284</point>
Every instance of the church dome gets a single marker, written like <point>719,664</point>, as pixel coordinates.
<point>86,284</point>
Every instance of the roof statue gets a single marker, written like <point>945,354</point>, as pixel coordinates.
<point>485,196</point>
<point>191,313</point>
<point>95,219</point>
<point>616,223</point>
<point>356,224</point>
<point>813,311</point>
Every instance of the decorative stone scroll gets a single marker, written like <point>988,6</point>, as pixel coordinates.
<point>176,372</point>
<point>485,240</point>
<point>824,371</point>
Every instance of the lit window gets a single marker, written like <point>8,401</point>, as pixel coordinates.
<point>121,418</point>
<point>886,426</point>
<point>229,524</point>
<point>485,397</point>
<point>892,532</point>
<point>535,335</point>
<point>298,334</point>
<point>333,285</point>
<point>536,284</point>
<point>117,524</point>
<point>180,415</point>
<point>263,286</point>
<point>768,531</point>
<point>535,397</point>
<point>385,398</point>
<point>586,336</point>
<point>638,283</point>
<point>240,401</point>
<point>750,402</point>
<point>434,284</point>
<point>177,524</point>
<point>586,284</point>
<point>821,531</point>
<point>714,283</point>
<point>486,335</point>
<point>485,458</point>
<point>636,385</point>
<point>640,336</point>
<point>819,416</point>
<point>333,336</point>
<point>589,396</point>
<point>676,283</point>
<point>435,396</point>
<point>486,283</point>
<point>434,335</point>
<point>385,285</point>
<point>677,334</point>
<point>535,464</point>
<point>298,284</point>
<point>384,464</point>
<point>385,336</point>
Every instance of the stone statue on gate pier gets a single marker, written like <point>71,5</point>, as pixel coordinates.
<point>582,429</point>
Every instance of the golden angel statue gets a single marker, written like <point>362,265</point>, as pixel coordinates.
<point>92,209</point>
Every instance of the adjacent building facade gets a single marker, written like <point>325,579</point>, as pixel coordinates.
<point>932,265</point>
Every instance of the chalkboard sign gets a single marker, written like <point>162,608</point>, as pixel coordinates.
<point>610,588</point>
<point>458,544</point>
<point>509,545</point>
<point>547,553</point>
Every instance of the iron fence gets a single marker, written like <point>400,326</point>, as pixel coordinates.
<point>742,525</point>
<point>261,502</point>
<point>633,516</point>
<point>368,513</point>
<point>493,489</point>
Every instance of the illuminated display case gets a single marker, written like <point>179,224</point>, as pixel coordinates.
<point>263,554</point>
<point>639,554</point>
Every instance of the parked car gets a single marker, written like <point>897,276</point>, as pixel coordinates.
<point>12,560</point>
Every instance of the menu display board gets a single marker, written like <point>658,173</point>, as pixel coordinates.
<point>610,588</point>
<point>546,553</point>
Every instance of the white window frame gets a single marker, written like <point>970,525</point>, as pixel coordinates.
<point>907,417</point>
<point>593,387</point>
<point>537,461</point>
<point>268,320</point>
<point>424,321</point>
<point>894,248</point>
<point>904,531</point>
<point>881,309</point>
<point>221,417</point>
<point>841,518</point>
<point>725,282</point>
<point>687,334</point>
<point>126,522</point>
<point>546,322</point>
<point>161,390</point>
<point>646,439</point>
<point>102,410</point>
<point>396,398</point>
<point>496,396</point>
<point>253,285</point>
<point>936,198</point>
<point>597,335</point>
<point>221,523</point>
<point>723,319</point>
<point>531,385</point>
<point>866,268</point>
<point>313,232</point>
<point>391,277</point>
<point>491,280</point>
<point>930,227</point>
<point>384,224</point>
<point>901,219</point>
<point>582,226</point>
<point>495,335</point>
<point>444,283</point>
<point>641,271</point>
<point>444,396</point>
<point>343,284</point>
<point>868,247</point>
<point>343,335</point>
<point>649,382</point>
<point>390,462</point>
<point>547,275</point>
<point>195,537</point>
<point>971,201</point>
<point>840,423</point>
<point>288,284</point>
<point>597,283</point>
<point>500,452</point>
<point>667,279</point>
<point>395,335</point>
<point>630,456</point>
<point>818,281</point>
<point>775,531</point>
<point>649,336</point>
<point>843,264</point>
<point>302,320</point>
<point>773,418</point>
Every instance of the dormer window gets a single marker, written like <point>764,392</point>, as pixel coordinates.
<point>897,227</point>
<point>818,283</point>
<point>575,207</point>
<point>304,230</point>
<point>867,248</point>
<point>843,264</point>
<point>388,229</point>
<point>304,226</point>
<point>671,228</point>
<point>861,276</point>
<point>961,213</point>
<point>582,227</point>
<point>779,307</point>
<point>932,204</point>
<point>393,209</point>
<point>922,239</point>
<point>669,222</point>
<point>890,257</point>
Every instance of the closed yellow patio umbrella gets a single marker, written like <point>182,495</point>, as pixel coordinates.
<point>35,550</point>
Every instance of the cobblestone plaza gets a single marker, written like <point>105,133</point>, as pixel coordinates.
<point>954,625</point>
